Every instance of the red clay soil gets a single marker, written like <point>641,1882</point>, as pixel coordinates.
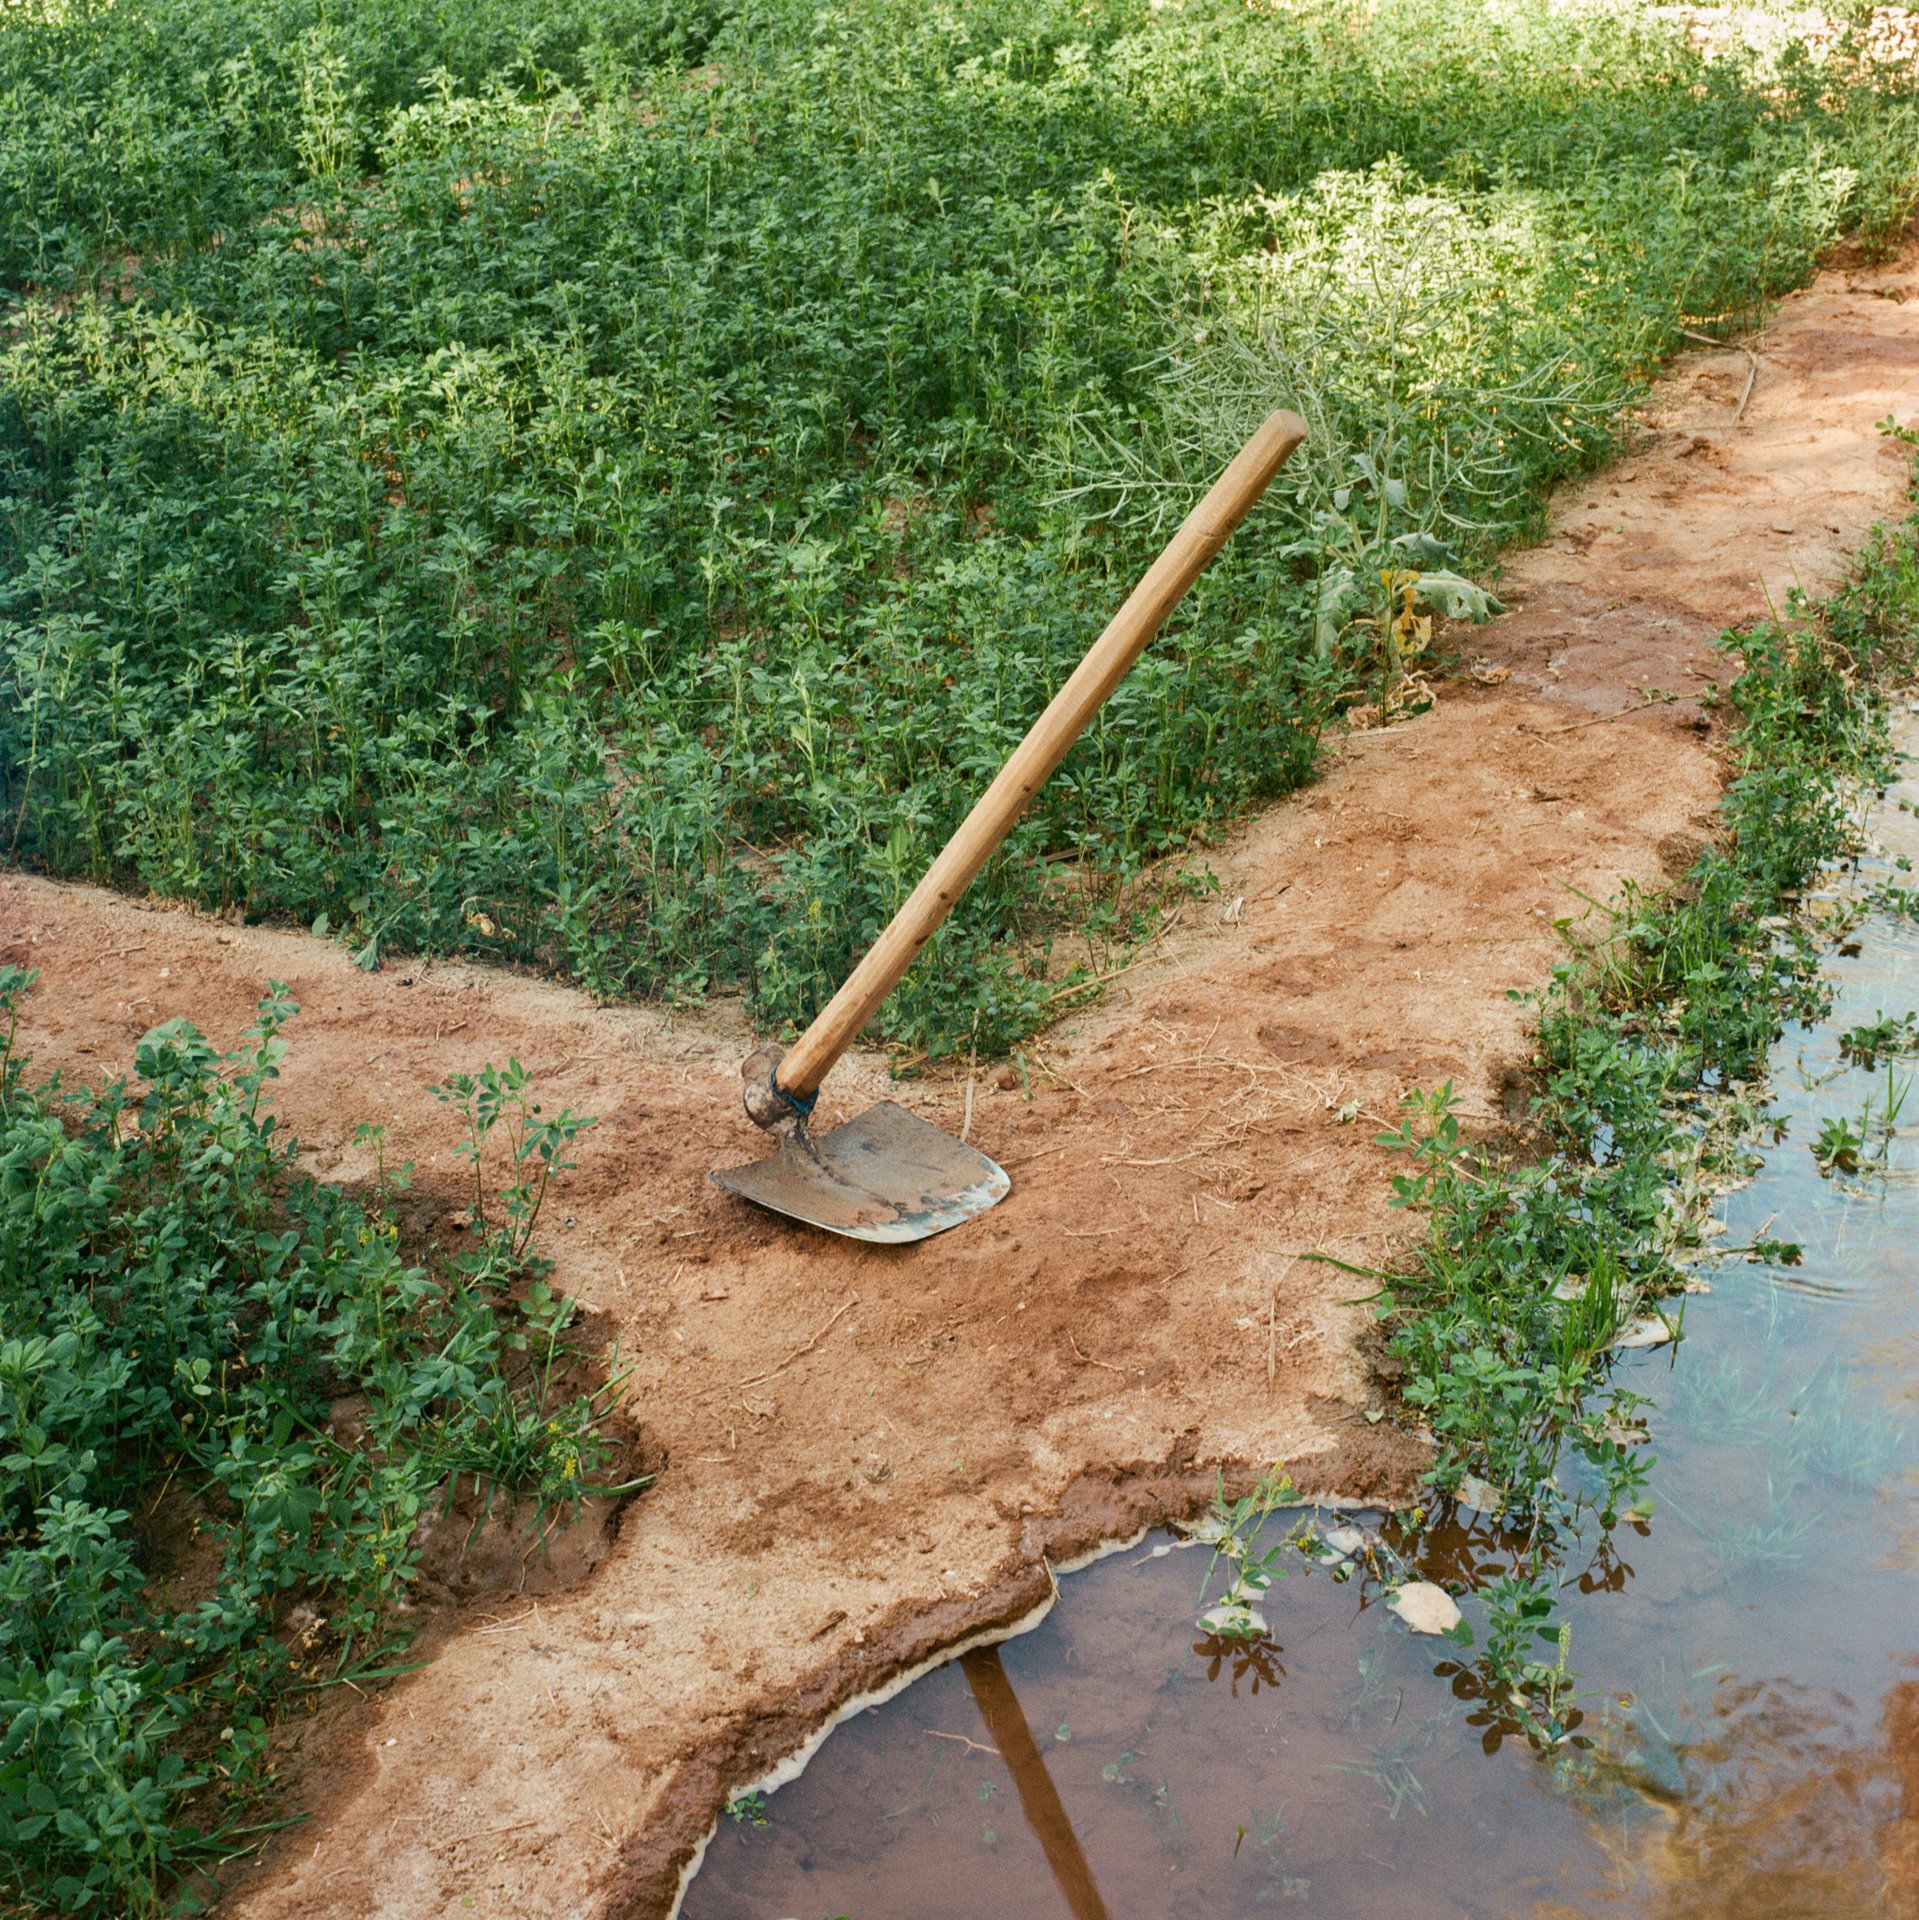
<point>872,1453</point>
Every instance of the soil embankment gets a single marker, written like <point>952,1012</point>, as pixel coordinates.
<point>869,1450</point>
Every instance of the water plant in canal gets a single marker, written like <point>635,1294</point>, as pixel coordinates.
<point>1721,1397</point>
<point>1388,1761</point>
<point>1848,1145</point>
<point>1844,1435</point>
<point>1839,1145</point>
<point>1236,1531</point>
<point>1373,1691</point>
<point>1268,1834</point>
<point>748,1810</point>
<point>1758,1534</point>
<point>1866,1043</point>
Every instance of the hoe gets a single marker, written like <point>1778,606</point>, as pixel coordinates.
<point>889,1175</point>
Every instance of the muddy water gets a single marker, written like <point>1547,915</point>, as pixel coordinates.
<point>1750,1744</point>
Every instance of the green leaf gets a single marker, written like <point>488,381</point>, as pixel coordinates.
<point>1457,598</point>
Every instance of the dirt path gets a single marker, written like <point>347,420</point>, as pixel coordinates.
<point>1071,1366</point>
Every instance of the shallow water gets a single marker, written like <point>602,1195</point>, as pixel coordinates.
<point>1751,1655</point>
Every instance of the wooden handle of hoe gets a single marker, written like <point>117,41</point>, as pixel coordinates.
<point>1207,528</point>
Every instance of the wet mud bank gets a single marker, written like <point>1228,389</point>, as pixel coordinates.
<point>1102,1514</point>
<point>657,1866</point>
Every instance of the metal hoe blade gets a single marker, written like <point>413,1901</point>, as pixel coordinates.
<point>888,1176</point>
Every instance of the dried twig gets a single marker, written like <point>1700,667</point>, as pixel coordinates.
<point>1045,1153</point>
<point>1195,1260</point>
<point>487,1833</point>
<point>1053,1073</point>
<point>1097,979</point>
<point>1752,365</point>
<point>972,1746</point>
<point>519,1620</point>
<point>800,1353</point>
<point>1105,1366</point>
<point>1600,719</point>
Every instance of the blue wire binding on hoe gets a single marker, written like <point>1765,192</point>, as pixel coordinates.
<point>803,1107</point>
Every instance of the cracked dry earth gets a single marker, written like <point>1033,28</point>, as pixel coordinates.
<point>1071,1366</point>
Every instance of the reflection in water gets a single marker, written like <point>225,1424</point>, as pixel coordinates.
<point>1902,1839</point>
<point>1775,1817</point>
<point>1038,1797</point>
<point>1256,1662</point>
<point>1749,1659</point>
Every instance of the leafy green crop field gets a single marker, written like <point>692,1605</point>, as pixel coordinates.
<point>601,483</point>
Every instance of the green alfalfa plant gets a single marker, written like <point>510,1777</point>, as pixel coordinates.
<point>176,1305</point>
<point>558,674</point>
<point>529,1440</point>
<point>534,1145</point>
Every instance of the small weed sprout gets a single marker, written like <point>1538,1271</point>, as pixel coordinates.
<point>1845,1145</point>
<point>1871,1040</point>
<point>1268,1834</point>
<point>1389,1766</point>
<point>1233,1528</point>
<point>1839,1145</point>
<point>1846,1437</point>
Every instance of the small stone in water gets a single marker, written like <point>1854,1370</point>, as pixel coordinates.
<point>1649,1332</point>
<point>1234,1622</point>
<point>1424,1607</point>
<point>1345,1541</point>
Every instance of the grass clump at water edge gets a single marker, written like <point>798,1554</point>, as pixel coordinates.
<point>1651,1052</point>
<point>179,1311</point>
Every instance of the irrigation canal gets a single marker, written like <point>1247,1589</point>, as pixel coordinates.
<point>1748,1659</point>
